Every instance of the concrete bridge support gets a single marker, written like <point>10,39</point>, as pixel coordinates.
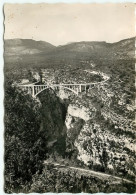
<point>80,88</point>
<point>32,91</point>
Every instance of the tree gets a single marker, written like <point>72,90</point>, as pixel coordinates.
<point>25,143</point>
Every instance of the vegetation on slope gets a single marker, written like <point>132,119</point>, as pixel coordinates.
<point>29,127</point>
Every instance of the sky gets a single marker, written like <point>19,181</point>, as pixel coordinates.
<point>61,23</point>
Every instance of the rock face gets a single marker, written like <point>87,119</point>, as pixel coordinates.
<point>99,143</point>
<point>78,112</point>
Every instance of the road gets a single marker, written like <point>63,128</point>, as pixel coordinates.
<point>103,75</point>
<point>99,175</point>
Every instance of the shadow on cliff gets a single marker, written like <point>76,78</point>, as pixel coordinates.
<point>53,114</point>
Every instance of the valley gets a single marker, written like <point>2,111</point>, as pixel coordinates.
<point>91,133</point>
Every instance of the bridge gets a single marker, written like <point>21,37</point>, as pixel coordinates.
<point>34,90</point>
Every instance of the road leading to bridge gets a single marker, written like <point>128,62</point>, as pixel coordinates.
<point>76,88</point>
<point>99,175</point>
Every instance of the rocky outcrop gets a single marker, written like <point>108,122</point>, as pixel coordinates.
<point>82,112</point>
<point>98,143</point>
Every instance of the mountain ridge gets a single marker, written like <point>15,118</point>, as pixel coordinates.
<point>26,46</point>
<point>69,43</point>
<point>40,53</point>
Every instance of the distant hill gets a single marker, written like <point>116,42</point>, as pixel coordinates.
<point>26,46</point>
<point>30,53</point>
<point>100,49</point>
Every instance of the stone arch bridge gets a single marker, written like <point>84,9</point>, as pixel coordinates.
<point>34,90</point>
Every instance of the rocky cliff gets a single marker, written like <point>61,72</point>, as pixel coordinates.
<point>102,138</point>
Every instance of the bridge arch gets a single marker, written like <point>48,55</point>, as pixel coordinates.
<point>41,91</point>
<point>51,87</point>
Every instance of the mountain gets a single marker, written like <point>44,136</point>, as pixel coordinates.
<point>98,49</point>
<point>27,52</point>
<point>26,46</point>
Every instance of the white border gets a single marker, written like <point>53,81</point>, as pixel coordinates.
<point>2,2</point>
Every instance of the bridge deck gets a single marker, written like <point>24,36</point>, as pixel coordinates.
<point>57,85</point>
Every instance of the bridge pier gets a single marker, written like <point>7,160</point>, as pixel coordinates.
<point>80,88</point>
<point>32,91</point>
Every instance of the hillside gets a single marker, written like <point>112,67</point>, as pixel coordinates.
<point>18,47</point>
<point>24,52</point>
<point>97,49</point>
